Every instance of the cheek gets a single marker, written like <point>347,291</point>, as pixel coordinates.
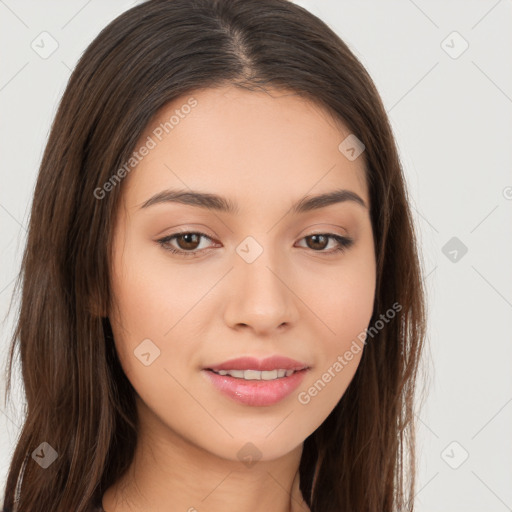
<point>344,301</point>
<point>343,298</point>
<point>143,314</point>
<point>150,300</point>
<point>157,308</point>
<point>338,356</point>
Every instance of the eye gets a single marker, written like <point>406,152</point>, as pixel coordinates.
<point>189,242</point>
<point>319,241</point>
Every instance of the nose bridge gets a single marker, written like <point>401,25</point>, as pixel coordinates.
<point>261,299</point>
<point>257,264</point>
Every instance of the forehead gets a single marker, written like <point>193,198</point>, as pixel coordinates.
<point>246,145</point>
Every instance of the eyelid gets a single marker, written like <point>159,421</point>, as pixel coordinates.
<point>324,229</point>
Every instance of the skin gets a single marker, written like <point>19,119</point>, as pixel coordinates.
<point>264,151</point>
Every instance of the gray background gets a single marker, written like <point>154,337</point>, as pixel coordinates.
<point>451,115</point>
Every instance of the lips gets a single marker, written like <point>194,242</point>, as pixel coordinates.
<point>257,382</point>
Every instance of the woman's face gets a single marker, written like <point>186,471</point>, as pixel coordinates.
<point>264,280</point>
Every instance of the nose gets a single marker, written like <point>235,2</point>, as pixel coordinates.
<point>262,296</point>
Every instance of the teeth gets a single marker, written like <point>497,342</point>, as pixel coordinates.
<point>255,374</point>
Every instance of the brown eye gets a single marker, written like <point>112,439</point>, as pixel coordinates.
<point>190,241</point>
<point>187,243</point>
<point>319,241</point>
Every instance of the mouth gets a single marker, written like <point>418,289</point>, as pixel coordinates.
<point>255,382</point>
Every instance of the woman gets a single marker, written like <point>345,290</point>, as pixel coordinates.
<point>222,305</point>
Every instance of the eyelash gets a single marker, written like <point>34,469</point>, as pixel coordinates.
<point>344,243</point>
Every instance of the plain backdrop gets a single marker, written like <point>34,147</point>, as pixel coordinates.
<point>444,71</point>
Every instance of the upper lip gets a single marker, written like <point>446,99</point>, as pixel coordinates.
<point>252,363</point>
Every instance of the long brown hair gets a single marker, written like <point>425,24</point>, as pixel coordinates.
<point>78,399</point>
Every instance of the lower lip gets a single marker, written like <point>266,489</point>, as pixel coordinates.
<point>257,393</point>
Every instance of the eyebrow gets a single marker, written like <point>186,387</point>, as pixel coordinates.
<point>225,205</point>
